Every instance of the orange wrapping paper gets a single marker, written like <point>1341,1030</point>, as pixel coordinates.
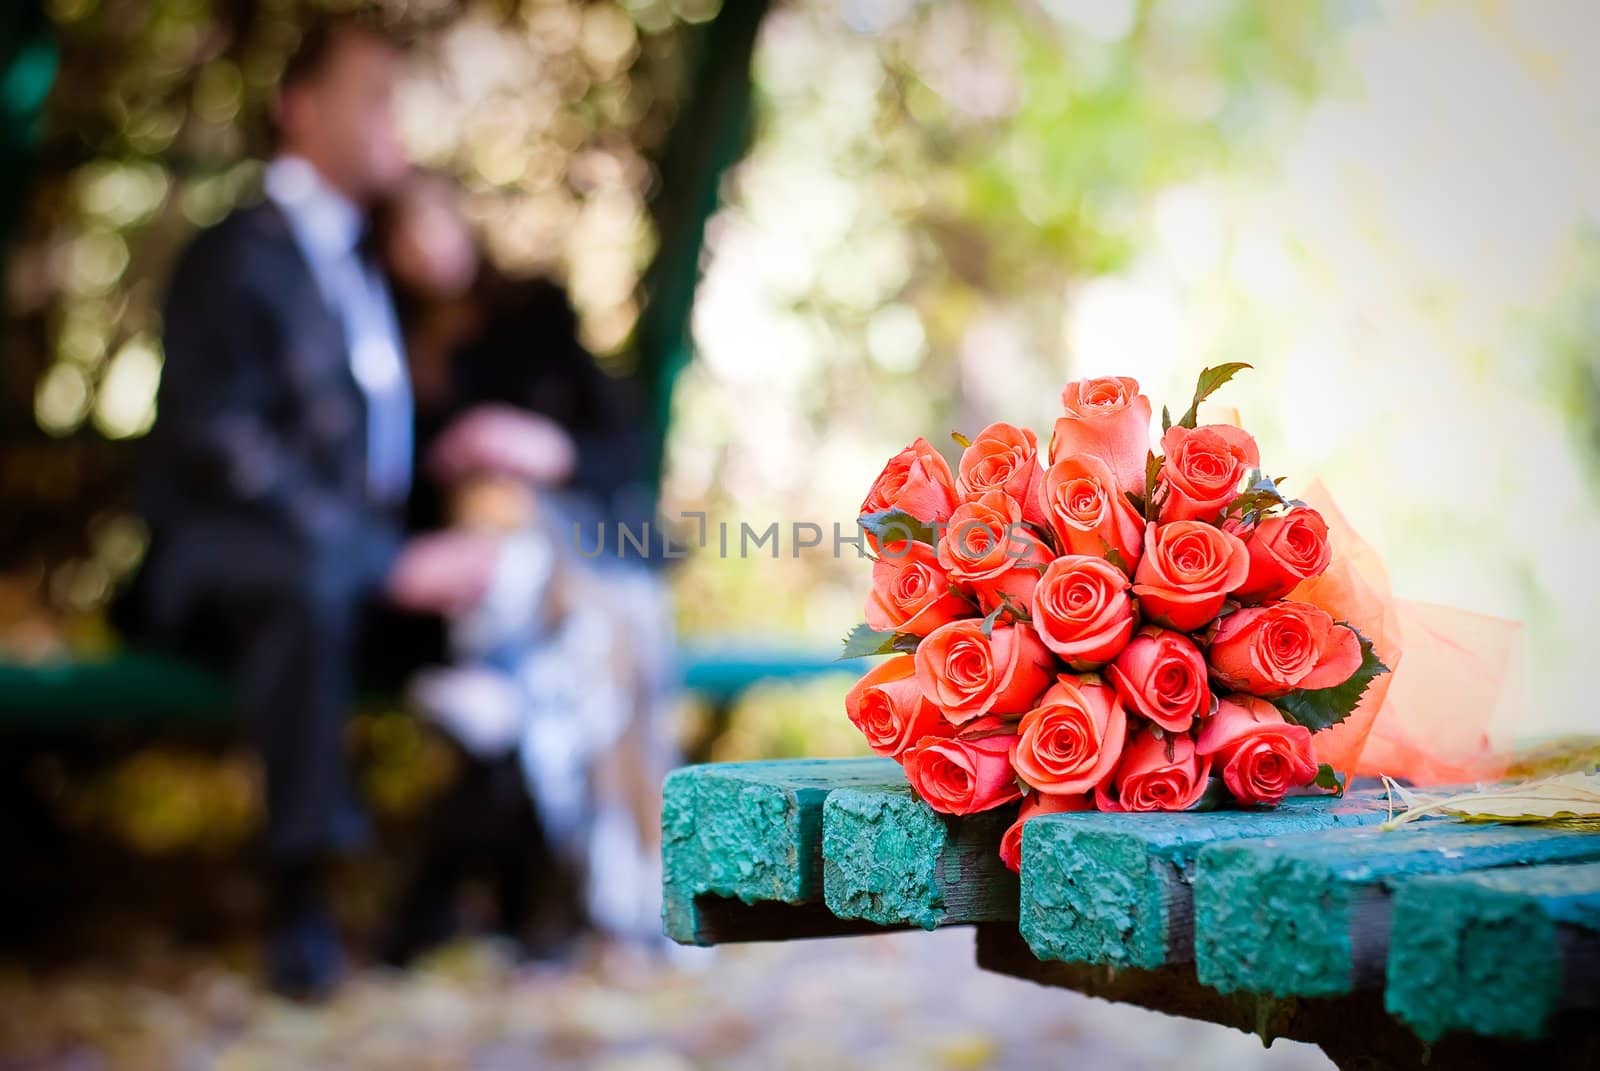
<point>1431,720</point>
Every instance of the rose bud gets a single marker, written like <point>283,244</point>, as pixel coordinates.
<point>1083,506</point>
<point>1203,469</point>
<point>917,482</point>
<point>1036,803</point>
<point>1162,773</point>
<point>911,591</point>
<point>1162,675</point>
<point>1285,549</point>
<point>1082,610</point>
<point>1186,573</point>
<point>1071,741</point>
<point>1263,756</point>
<point>1004,458</point>
<point>890,710</point>
<point>987,550</point>
<point>958,776</point>
<point>1110,419</point>
<point>1271,650</point>
<point>967,674</point>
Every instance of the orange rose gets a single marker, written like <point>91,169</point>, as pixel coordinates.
<point>1036,803</point>
<point>987,550</point>
<point>1272,650</point>
<point>1202,470</point>
<point>967,674</point>
<point>1082,610</point>
<point>1110,419</point>
<point>1071,741</point>
<point>1285,548</point>
<point>910,591</point>
<point>1004,458</point>
<point>1157,773</point>
<point>959,776</point>
<point>1083,506</point>
<point>890,710</point>
<point>1162,675</point>
<point>1263,756</point>
<point>917,482</point>
<point>1186,573</point>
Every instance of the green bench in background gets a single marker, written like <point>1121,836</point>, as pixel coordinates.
<point>1438,944</point>
<point>140,689</point>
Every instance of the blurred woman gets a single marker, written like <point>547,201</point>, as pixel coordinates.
<point>565,668</point>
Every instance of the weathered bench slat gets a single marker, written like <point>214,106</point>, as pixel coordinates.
<point>736,834</point>
<point>891,859</point>
<point>1499,952</point>
<point>1114,888</point>
<point>1354,1030</point>
<point>1309,915</point>
<point>721,920</point>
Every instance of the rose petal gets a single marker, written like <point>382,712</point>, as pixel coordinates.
<point>1341,657</point>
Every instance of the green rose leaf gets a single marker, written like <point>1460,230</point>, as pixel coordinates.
<point>864,642</point>
<point>1260,495</point>
<point>1216,797</point>
<point>1323,707</point>
<point>1210,379</point>
<point>1114,556</point>
<point>895,526</point>
<point>1149,508</point>
<point>960,439</point>
<point>1330,779</point>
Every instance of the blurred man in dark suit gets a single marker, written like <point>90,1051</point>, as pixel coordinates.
<point>281,458</point>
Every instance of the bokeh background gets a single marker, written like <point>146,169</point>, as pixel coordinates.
<point>945,210</point>
<point>1389,209</point>
<point>935,214</point>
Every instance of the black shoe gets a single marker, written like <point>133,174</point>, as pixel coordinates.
<point>305,960</point>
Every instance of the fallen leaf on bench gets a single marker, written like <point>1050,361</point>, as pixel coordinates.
<point>1571,800</point>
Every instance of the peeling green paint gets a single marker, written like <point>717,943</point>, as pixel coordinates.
<point>1287,915</point>
<point>880,853</point>
<point>1104,888</point>
<point>889,858</point>
<point>750,831</point>
<point>1483,952</point>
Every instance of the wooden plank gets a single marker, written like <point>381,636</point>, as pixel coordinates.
<point>1499,952</point>
<point>1354,1030</point>
<point>1309,915</point>
<point>1114,888</point>
<point>889,858</point>
<point>751,833</point>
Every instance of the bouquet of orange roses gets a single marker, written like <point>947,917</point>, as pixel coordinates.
<point>1103,627</point>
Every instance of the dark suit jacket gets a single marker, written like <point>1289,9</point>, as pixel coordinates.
<point>255,471</point>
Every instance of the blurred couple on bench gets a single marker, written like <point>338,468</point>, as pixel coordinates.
<point>369,457</point>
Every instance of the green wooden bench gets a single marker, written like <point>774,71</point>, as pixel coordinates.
<point>134,689</point>
<point>1437,944</point>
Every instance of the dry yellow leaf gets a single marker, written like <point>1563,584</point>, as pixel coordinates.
<point>1570,799</point>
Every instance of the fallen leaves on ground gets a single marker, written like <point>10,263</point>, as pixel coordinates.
<point>891,1003</point>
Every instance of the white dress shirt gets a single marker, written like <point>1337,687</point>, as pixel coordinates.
<point>328,228</point>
